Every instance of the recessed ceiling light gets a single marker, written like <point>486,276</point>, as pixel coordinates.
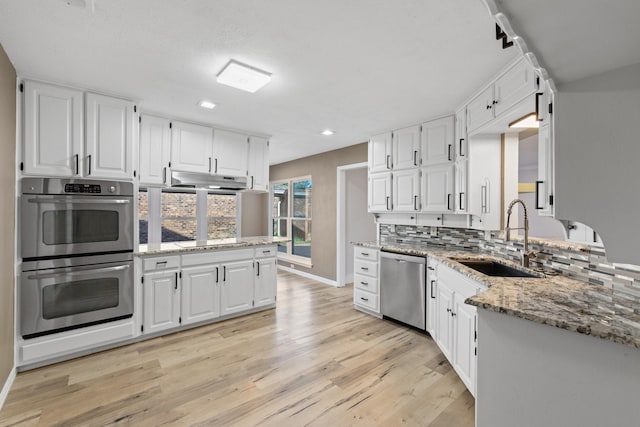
<point>526,122</point>
<point>328,132</point>
<point>243,77</point>
<point>207,104</point>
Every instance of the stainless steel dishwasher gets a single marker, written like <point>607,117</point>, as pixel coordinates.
<point>402,288</point>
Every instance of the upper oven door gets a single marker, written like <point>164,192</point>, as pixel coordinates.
<point>57,225</point>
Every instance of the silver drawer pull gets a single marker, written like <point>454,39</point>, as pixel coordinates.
<point>266,252</point>
<point>364,268</point>
<point>364,299</point>
<point>364,283</point>
<point>161,264</point>
<point>364,253</point>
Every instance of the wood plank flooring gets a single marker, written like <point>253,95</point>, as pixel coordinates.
<point>313,360</point>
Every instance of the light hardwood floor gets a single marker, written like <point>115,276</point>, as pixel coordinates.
<point>312,361</point>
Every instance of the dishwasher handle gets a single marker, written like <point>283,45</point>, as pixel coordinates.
<point>403,258</point>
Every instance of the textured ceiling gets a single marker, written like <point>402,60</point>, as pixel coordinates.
<point>357,66</point>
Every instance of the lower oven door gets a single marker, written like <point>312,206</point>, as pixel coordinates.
<point>59,299</point>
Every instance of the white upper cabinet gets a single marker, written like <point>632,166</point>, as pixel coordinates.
<point>513,86</point>
<point>109,137</point>
<point>461,186</point>
<point>258,164</point>
<point>437,141</point>
<point>406,191</point>
<point>480,110</point>
<point>437,189</point>
<point>406,148</point>
<point>53,120</point>
<point>544,184</point>
<point>230,153</point>
<point>380,192</point>
<point>380,147</point>
<point>191,147</point>
<point>155,150</point>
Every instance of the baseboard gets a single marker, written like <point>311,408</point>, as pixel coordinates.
<point>7,386</point>
<point>309,276</point>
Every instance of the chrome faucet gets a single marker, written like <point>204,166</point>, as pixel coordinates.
<point>525,254</point>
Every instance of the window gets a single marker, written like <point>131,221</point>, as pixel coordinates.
<point>291,212</point>
<point>169,215</point>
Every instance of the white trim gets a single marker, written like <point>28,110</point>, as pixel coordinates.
<point>239,196</point>
<point>7,386</point>
<point>309,276</point>
<point>341,203</point>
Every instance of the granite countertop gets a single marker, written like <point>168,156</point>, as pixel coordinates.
<point>554,300</point>
<point>207,245</point>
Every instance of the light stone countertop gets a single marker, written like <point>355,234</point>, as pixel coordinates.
<point>207,245</point>
<point>563,302</point>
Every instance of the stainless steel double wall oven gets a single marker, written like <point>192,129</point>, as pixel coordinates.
<point>77,253</point>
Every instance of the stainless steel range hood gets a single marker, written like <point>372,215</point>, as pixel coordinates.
<point>204,180</point>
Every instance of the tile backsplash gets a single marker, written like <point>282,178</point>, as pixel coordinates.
<point>582,262</point>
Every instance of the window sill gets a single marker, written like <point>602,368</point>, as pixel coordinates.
<point>302,261</point>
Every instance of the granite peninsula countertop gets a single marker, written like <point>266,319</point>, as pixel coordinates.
<point>207,245</point>
<point>555,300</point>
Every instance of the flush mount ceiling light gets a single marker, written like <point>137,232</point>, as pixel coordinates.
<point>328,132</point>
<point>207,104</point>
<point>243,76</point>
<point>527,122</point>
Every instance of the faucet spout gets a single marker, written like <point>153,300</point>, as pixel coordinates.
<point>507,229</point>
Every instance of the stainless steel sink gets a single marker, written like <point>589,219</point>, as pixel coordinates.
<point>493,268</point>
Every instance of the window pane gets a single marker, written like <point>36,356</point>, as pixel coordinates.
<point>221,216</point>
<point>143,216</point>
<point>302,199</point>
<point>178,216</point>
<point>301,237</point>
<point>280,199</point>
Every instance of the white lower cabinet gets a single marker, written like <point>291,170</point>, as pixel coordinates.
<point>161,301</point>
<point>366,291</point>
<point>237,287</point>
<point>200,293</point>
<point>455,329</point>
<point>264,289</point>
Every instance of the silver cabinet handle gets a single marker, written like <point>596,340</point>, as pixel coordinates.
<point>449,201</point>
<point>215,170</point>
<point>432,282</point>
<point>209,164</point>
<point>364,254</point>
<point>449,152</point>
<point>258,263</point>
<point>415,203</point>
<point>364,283</point>
<point>176,285</point>
<point>415,157</point>
<point>388,208</point>
<point>77,164</point>
<point>164,175</point>
<point>388,161</point>
<point>252,182</point>
<point>78,273</point>
<point>461,195</point>
<point>89,158</point>
<point>460,150</point>
<point>161,264</point>
<point>364,299</point>
<point>483,198</point>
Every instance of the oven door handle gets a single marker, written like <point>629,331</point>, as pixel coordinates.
<point>83,201</point>
<point>79,273</point>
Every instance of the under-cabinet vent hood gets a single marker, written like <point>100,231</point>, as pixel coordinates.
<point>204,180</point>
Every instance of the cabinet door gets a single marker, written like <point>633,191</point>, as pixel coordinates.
<point>200,293</point>
<point>380,192</point>
<point>258,164</point>
<point>237,287</point>
<point>437,141</point>
<point>444,331</point>
<point>513,86</point>
<point>480,110</point>
<point>485,181</point>
<point>544,185</point>
<point>406,191</point>
<point>155,150</point>
<point>265,282</point>
<point>406,148</point>
<point>437,189</point>
<point>464,347</point>
<point>380,153</point>
<point>461,186</point>
<point>110,136</point>
<point>230,153</point>
<point>161,301</point>
<point>52,130</point>
<point>191,147</point>
<point>461,139</point>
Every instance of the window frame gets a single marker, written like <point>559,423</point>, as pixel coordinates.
<point>289,256</point>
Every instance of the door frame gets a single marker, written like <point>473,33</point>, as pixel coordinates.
<point>341,214</point>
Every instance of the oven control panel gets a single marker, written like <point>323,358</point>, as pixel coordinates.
<point>83,188</point>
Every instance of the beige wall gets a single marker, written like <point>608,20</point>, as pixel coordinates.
<point>322,168</point>
<point>7,216</point>
<point>254,217</point>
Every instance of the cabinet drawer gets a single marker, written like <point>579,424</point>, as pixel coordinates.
<point>366,283</point>
<point>216,257</point>
<point>266,252</point>
<point>365,299</point>
<point>366,253</point>
<point>160,263</point>
<point>367,268</point>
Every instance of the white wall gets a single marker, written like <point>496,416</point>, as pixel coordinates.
<point>360,225</point>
